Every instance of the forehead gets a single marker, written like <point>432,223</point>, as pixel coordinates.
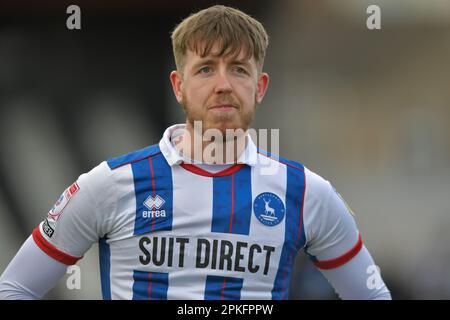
<point>218,53</point>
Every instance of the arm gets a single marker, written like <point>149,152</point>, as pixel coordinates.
<point>352,281</point>
<point>334,244</point>
<point>31,274</point>
<point>69,230</point>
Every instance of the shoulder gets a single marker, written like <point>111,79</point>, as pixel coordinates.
<point>96,178</point>
<point>318,189</point>
<point>133,156</point>
<point>316,186</point>
<point>100,182</point>
<point>290,164</point>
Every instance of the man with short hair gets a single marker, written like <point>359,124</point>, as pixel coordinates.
<point>198,218</point>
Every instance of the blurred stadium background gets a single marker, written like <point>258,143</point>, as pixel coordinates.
<point>368,110</point>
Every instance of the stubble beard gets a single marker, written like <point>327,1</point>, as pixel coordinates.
<point>226,123</point>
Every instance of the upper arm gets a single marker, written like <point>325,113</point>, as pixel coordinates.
<point>334,242</point>
<point>332,236</point>
<point>79,218</point>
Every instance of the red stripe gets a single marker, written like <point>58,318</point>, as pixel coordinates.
<point>194,169</point>
<point>222,295</point>
<point>51,250</point>
<point>339,261</point>
<point>153,188</point>
<point>232,204</point>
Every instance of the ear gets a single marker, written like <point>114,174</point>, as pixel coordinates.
<point>177,83</point>
<point>263,83</point>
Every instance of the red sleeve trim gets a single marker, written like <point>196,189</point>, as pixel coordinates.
<point>339,261</point>
<point>51,250</point>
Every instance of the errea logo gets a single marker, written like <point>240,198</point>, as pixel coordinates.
<point>154,203</point>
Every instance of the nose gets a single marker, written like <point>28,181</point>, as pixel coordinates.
<point>223,84</point>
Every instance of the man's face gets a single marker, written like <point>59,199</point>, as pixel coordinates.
<point>220,91</point>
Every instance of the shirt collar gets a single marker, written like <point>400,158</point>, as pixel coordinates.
<point>173,157</point>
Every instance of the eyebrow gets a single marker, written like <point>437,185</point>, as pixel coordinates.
<point>207,61</point>
<point>210,61</point>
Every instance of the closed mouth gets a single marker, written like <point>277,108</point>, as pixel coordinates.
<point>223,107</point>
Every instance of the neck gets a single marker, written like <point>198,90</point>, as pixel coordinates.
<point>211,146</point>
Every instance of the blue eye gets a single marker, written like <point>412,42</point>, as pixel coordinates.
<point>205,70</point>
<point>241,70</point>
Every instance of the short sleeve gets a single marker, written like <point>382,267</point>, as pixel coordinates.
<point>78,218</point>
<point>332,236</point>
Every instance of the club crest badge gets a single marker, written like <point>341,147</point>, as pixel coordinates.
<point>269,209</point>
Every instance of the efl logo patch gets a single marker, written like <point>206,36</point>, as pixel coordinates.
<point>345,202</point>
<point>48,230</point>
<point>62,202</point>
<point>269,209</point>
